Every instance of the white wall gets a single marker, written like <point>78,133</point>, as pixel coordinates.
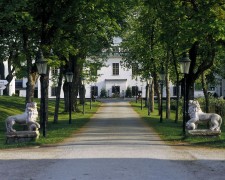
<point>22,93</point>
<point>106,79</point>
<point>12,84</point>
<point>49,90</point>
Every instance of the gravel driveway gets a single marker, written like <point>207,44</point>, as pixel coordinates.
<point>114,145</point>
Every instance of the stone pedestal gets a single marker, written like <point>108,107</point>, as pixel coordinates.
<point>21,136</point>
<point>203,132</point>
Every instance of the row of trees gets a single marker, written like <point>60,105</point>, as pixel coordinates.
<point>161,31</point>
<point>66,31</point>
<point>154,33</point>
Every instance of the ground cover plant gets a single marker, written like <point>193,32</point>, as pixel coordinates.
<point>171,132</point>
<point>55,132</point>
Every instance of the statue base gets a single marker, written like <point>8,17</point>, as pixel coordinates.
<point>203,132</point>
<point>21,136</point>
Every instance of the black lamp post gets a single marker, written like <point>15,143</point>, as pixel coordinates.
<point>184,68</point>
<point>141,93</point>
<point>150,78</point>
<point>136,90</point>
<point>90,96</point>
<point>69,78</point>
<point>83,83</point>
<point>161,78</point>
<point>41,64</point>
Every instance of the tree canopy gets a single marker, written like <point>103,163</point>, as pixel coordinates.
<point>154,33</point>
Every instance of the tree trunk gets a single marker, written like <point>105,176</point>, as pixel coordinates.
<point>177,100</point>
<point>32,79</point>
<point>192,76</point>
<point>2,70</point>
<point>82,94</point>
<point>152,97</point>
<point>148,100</point>
<point>167,97</point>
<point>206,95</point>
<point>76,65</point>
<point>58,92</point>
<point>47,33</point>
<point>167,88</point>
<point>147,95</point>
<point>157,90</point>
<point>177,85</point>
<point>32,74</point>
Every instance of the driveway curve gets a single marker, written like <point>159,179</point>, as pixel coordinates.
<point>114,145</point>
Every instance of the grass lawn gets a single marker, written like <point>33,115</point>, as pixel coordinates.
<point>55,132</point>
<point>172,132</point>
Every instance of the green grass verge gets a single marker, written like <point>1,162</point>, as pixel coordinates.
<point>172,132</point>
<point>55,132</point>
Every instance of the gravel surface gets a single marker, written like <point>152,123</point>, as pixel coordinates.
<point>114,145</point>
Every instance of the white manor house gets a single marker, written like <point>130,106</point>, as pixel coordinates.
<point>112,77</point>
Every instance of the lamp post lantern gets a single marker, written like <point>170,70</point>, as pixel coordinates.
<point>162,78</point>
<point>69,78</point>
<point>41,64</point>
<point>83,84</point>
<point>149,81</point>
<point>184,68</point>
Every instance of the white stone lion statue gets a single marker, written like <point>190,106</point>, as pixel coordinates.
<point>28,118</point>
<point>197,117</point>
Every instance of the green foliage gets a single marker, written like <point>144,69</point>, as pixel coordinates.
<point>160,32</point>
<point>68,32</point>
<point>103,93</point>
<point>216,105</point>
<point>128,92</point>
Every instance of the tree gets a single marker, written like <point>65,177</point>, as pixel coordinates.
<point>141,44</point>
<point>90,28</point>
<point>195,27</point>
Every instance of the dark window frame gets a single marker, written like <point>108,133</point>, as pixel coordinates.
<point>116,89</point>
<point>115,69</point>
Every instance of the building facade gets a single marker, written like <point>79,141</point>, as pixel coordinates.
<point>113,79</point>
<point>3,82</point>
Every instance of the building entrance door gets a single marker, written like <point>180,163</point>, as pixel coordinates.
<point>116,91</point>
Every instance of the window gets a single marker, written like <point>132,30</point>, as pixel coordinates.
<point>174,91</point>
<point>54,71</point>
<point>19,83</point>
<point>94,90</point>
<point>211,88</point>
<point>134,69</point>
<point>115,68</point>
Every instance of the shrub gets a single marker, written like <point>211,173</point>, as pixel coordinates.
<point>103,93</point>
<point>216,105</point>
<point>128,92</point>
